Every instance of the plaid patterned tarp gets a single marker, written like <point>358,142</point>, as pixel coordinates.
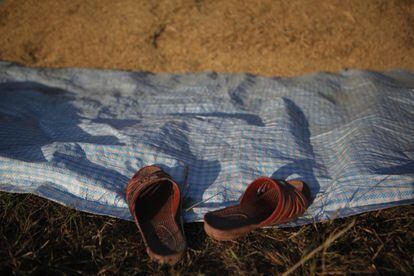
<point>76,136</point>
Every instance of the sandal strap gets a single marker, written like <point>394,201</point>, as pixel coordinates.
<point>146,177</point>
<point>290,202</point>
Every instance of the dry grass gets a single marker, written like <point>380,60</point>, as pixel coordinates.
<point>40,236</point>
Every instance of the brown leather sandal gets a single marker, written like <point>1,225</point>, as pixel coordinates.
<point>265,202</point>
<point>153,199</point>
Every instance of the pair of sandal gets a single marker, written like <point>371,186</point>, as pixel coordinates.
<point>154,200</point>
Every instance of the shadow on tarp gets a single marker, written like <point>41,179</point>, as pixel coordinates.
<point>39,123</point>
<point>33,115</point>
<point>198,174</point>
<point>302,167</point>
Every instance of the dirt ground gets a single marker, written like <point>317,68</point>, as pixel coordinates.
<point>263,37</point>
